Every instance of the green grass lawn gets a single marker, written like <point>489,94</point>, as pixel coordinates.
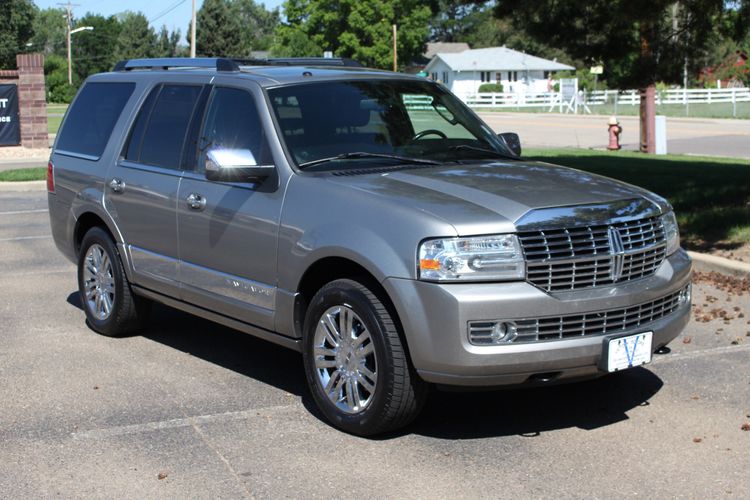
<point>55,114</point>
<point>711,196</point>
<point>702,110</point>
<point>24,174</point>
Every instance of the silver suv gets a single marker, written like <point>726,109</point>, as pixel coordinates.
<point>367,219</point>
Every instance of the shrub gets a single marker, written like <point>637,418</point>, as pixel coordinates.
<point>491,87</point>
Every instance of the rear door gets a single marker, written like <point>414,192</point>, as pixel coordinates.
<point>228,244</point>
<point>141,189</point>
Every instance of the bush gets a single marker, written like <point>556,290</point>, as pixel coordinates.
<point>56,80</point>
<point>491,87</point>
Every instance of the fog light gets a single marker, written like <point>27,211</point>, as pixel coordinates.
<point>685,295</point>
<point>503,332</point>
<point>491,332</point>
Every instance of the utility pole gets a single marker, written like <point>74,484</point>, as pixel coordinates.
<point>192,33</point>
<point>395,45</point>
<point>69,7</point>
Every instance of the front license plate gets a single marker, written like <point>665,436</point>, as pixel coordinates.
<point>630,351</point>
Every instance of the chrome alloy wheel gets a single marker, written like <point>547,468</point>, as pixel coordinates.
<point>98,282</point>
<point>345,360</point>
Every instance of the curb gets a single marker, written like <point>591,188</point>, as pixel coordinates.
<point>707,262</point>
<point>23,186</point>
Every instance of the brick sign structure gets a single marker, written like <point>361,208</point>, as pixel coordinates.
<point>32,104</point>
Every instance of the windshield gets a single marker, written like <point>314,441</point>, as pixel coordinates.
<point>354,124</point>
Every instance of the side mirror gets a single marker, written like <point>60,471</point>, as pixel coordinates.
<point>513,142</point>
<point>235,165</point>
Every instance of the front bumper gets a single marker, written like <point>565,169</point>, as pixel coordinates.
<point>435,319</point>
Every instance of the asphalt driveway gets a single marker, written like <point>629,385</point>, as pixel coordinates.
<point>193,409</point>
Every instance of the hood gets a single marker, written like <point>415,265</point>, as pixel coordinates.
<point>490,197</point>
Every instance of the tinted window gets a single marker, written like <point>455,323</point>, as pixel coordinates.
<point>92,117</point>
<point>165,132</point>
<point>232,122</point>
<point>136,134</point>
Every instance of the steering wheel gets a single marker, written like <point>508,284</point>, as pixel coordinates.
<point>430,131</point>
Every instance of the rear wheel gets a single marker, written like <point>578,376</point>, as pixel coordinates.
<point>356,365</point>
<point>111,307</point>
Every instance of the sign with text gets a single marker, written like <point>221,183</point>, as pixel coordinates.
<point>10,127</point>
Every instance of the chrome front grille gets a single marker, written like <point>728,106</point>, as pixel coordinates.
<point>586,257</point>
<point>579,325</point>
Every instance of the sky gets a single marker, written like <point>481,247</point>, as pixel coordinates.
<point>155,10</point>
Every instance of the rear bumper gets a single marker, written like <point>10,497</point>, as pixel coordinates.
<point>435,318</point>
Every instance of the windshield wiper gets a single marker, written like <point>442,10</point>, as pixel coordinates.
<point>497,154</point>
<point>363,154</point>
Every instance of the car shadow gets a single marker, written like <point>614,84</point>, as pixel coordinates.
<point>526,412</point>
<point>530,411</point>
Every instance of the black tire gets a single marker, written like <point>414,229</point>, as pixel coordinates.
<point>399,393</point>
<point>128,312</point>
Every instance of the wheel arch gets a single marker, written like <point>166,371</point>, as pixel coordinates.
<point>328,269</point>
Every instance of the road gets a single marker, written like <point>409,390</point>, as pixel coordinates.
<point>696,136</point>
<point>215,413</point>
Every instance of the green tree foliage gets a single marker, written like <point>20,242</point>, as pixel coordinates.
<point>639,42</point>
<point>16,29</point>
<point>94,51</point>
<point>136,38</point>
<point>218,30</point>
<point>50,30</point>
<point>257,24</point>
<point>356,29</point>
<point>167,44</point>
<point>56,79</point>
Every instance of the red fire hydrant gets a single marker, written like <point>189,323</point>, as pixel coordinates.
<point>614,134</point>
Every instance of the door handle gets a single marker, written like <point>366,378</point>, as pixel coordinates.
<point>196,201</point>
<point>116,185</point>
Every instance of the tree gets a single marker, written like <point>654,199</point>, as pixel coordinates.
<point>218,30</point>
<point>356,29</point>
<point>136,38</point>
<point>94,51</point>
<point>56,79</point>
<point>50,31</point>
<point>16,29</point>
<point>639,42</point>
<point>258,24</point>
<point>167,44</point>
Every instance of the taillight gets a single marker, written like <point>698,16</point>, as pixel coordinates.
<point>50,177</point>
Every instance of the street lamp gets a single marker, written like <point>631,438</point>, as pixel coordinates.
<point>70,64</point>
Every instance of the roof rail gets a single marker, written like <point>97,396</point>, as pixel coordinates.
<point>230,64</point>
<point>217,63</point>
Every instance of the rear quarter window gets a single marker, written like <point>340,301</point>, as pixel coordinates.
<point>92,117</point>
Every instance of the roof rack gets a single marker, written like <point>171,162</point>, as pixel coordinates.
<point>229,64</point>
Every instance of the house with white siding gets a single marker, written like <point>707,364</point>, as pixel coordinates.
<point>518,72</point>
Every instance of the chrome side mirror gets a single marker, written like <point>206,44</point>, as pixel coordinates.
<point>513,141</point>
<point>235,165</point>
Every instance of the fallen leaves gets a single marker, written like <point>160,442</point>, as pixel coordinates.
<point>687,339</point>
<point>697,440</point>
<point>162,475</point>
<point>745,426</point>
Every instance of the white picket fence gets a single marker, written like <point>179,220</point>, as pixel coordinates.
<point>554,101</point>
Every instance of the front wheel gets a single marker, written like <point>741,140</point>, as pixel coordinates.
<point>356,365</point>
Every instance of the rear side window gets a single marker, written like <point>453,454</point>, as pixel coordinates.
<point>165,127</point>
<point>92,117</point>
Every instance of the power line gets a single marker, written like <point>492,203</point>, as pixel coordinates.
<point>167,10</point>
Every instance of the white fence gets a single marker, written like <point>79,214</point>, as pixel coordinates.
<point>553,100</point>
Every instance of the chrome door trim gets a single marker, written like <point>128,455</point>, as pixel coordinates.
<point>153,264</point>
<point>599,214</point>
<point>226,285</point>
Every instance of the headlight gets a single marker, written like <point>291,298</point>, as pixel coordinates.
<point>671,231</point>
<point>496,257</point>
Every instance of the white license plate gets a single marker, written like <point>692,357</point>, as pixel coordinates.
<point>630,351</point>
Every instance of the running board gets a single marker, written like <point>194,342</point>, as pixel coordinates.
<point>289,343</point>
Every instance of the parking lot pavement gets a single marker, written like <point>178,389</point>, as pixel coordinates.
<point>216,413</point>
<point>696,136</point>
